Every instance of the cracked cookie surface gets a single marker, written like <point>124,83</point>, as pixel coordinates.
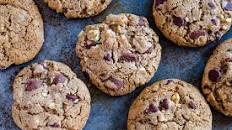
<point>48,95</point>
<point>78,8</point>
<point>119,54</point>
<point>21,32</point>
<point>193,23</point>
<point>170,105</point>
<point>217,78</point>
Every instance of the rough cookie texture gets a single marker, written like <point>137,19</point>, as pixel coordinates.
<point>119,54</point>
<point>193,23</point>
<point>217,79</point>
<point>21,32</point>
<point>78,8</point>
<point>47,96</point>
<point>170,105</point>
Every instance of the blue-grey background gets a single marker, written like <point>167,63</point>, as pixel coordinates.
<point>109,113</point>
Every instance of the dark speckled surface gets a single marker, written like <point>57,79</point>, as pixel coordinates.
<point>109,113</point>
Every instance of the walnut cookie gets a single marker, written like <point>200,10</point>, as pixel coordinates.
<point>21,32</point>
<point>170,105</point>
<point>217,79</point>
<point>119,54</point>
<point>193,23</point>
<point>78,8</point>
<point>48,95</point>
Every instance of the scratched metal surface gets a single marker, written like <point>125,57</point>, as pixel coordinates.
<point>109,113</point>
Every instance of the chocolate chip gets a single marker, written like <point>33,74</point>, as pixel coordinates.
<point>151,109</point>
<point>211,5</point>
<point>196,34</point>
<point>214,21</point>
<point>60,78</point>
<point>165,104</point>
<point>33,84</point>
<point>214,75</point>
<point>228,6</point>
<point>90,44</point>
<point>108,56</point>
<point>128,57</point>
<point>72,97</point>
<point>114,83</point>
<point>192,105</point>
<point>159,2</point>
<point>178,21</point>
<point>142,21</point>
<point>168,82</point>
<point>55,125</point>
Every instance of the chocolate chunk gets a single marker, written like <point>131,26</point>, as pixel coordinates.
<point>90,44</point>
<point>55,125</point>
<point>228,60</point>
<point>108,56</point>
<point>218,35</point>
<point>178,21</point>
<point>214,75</point>
<point>114,83</point>
<point>128,57</point>
<point>149,50</point>
<point>2,68</point>
<point>168,82</point>
<point>152,109</point>
<point>214,21</point>
<point>72,97</point>
<point>224,68</point>
<point>159,2</point>
<point>192,105</point>
<point>60,78</point>
<point>196,34</point>
<point>228,6</point>
<point>165,104</point>
<point>142,21</point>
<point>211,5</point>
<point>33,84</point>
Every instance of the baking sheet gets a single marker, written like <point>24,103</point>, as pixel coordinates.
<point>109,113</point>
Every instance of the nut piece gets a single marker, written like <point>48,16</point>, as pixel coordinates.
<point>93,35</point>
<point>175,98</point>
<point>38,69</point>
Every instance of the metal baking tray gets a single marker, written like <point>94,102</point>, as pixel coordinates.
<point>109,113</point>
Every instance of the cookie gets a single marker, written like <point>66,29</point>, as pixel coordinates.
<point>170,105</point>
<point>217,79</point>
<point>21,32</point>
<point>193,23</point>
<point>119,54</point>
<point>78,8</point>
<point>48,95</point>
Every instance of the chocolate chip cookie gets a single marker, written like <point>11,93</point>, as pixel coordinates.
<point>217,79</point>
<point>193,23</point>
<point>119,54</point>
<point>48,95</point>
<point>21,32</point>
<point>170,105</point>
<point>78,8</point>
